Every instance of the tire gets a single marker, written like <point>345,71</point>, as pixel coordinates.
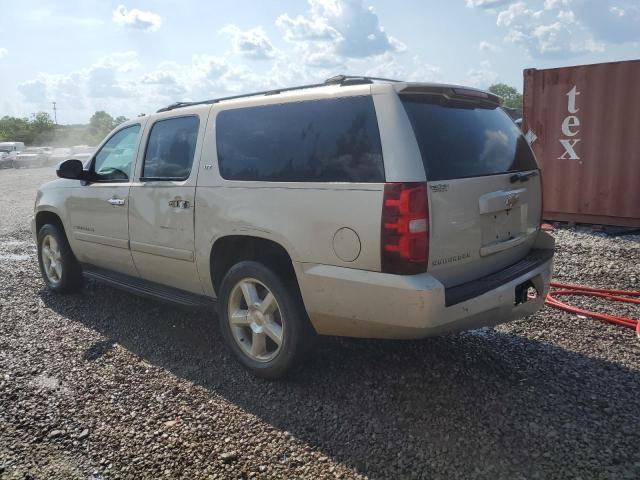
<point>283,313</point>
<point>66,276</point>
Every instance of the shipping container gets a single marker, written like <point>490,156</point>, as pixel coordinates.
<point>583,123</point>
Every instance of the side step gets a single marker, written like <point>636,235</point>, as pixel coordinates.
<point>145,288</point>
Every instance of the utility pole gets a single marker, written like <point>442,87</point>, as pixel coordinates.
<point>55,114</point>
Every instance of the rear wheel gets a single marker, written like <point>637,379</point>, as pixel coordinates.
<point>59,267</point>
<point>263,320</point>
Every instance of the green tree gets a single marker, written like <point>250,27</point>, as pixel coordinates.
<point>118,120</point>
<point>42,128</point>
<point>37,131</point>
<point>14,129</point>
<point>100,124</point>
<point>510,96</point>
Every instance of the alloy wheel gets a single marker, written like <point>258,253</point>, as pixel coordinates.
<point>51,259</point>
<point>255,319</point>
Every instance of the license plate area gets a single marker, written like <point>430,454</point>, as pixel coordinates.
<point>503,219</point>
<point>501,226</point>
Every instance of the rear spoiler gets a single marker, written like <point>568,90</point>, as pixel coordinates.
<point>464,94</point>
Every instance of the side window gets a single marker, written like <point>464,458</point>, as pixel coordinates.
<point>115,159</point>
<point>171,148</point>
<point>333,140</point>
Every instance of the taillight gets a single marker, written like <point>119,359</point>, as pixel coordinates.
<point>405,228</point>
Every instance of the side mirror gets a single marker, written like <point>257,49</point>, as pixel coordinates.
<point>71,169</point>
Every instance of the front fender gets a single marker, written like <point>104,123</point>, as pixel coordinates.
<point>52,200</point>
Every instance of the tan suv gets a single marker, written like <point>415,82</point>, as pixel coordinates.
<point>359,207</point>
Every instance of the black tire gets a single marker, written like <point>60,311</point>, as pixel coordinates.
<point>297,333</point>
<point>71,279</point>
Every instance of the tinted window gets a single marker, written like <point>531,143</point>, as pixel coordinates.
<point>115,159</point>
<point>333,140</point>
<point>170,149</point>
<point>458,140</point>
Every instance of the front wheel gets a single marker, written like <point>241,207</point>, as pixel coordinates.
<point>263,320</point>
<point>59,267</point>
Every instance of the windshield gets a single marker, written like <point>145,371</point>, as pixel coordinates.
<point>459,140</point>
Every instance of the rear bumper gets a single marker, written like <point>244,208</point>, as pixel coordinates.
<point>356,303</point>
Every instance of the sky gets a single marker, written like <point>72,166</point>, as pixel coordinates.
<point>134,56</point>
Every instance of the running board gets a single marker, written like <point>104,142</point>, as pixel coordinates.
<point>146,288</point>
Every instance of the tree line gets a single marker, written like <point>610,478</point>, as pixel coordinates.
<point>40,129</point>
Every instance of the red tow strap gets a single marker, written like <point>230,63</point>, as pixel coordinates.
<point>559,289</point>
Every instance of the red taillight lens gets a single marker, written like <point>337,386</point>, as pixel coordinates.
<point>405,228</point>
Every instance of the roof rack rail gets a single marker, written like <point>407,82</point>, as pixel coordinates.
<point>342,80</point>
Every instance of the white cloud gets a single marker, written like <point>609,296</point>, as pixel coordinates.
<point>335,30</point>
<point>164,83</point>
<point>485,46</point>
<point>303,28</point>
<point>105,78</point>
<point>136,19</point>
<point>551,4</point>
<point>34,91</point>
<point>387,66</point>
<point>3,52</point>
<point>159,77</point>
<point>334,36</point>
<point>213,76</point>
<point>252,43</point>
<point>553,31</point>
<point>482,77</point>
<point>68,90</point>
<point>103,81</point>
<point>486,3</point>
<point>322,56</point>
<point>516,15</point>
<point>617,11</point>
<point>566,28</point>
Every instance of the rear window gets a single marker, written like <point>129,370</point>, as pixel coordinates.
<point>333,140</point>
<point>459,140</point>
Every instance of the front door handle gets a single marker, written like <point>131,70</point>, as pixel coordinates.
<point>116,201</point>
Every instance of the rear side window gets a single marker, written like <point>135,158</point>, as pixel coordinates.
<point>170,149</point>
<point>334,140</point>
<point>458,140</point>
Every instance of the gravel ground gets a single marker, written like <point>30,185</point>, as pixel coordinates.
<point>106,385</point>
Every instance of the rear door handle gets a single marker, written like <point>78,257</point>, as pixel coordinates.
<point>116,201</point>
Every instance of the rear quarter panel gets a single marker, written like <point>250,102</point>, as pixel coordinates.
<point>303,220</point>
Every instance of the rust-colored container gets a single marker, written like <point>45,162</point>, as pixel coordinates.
<point>587,123</point>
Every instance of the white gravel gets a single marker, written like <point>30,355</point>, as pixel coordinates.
<point>107,385</point>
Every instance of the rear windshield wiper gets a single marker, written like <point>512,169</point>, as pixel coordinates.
<point>522,176</point>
